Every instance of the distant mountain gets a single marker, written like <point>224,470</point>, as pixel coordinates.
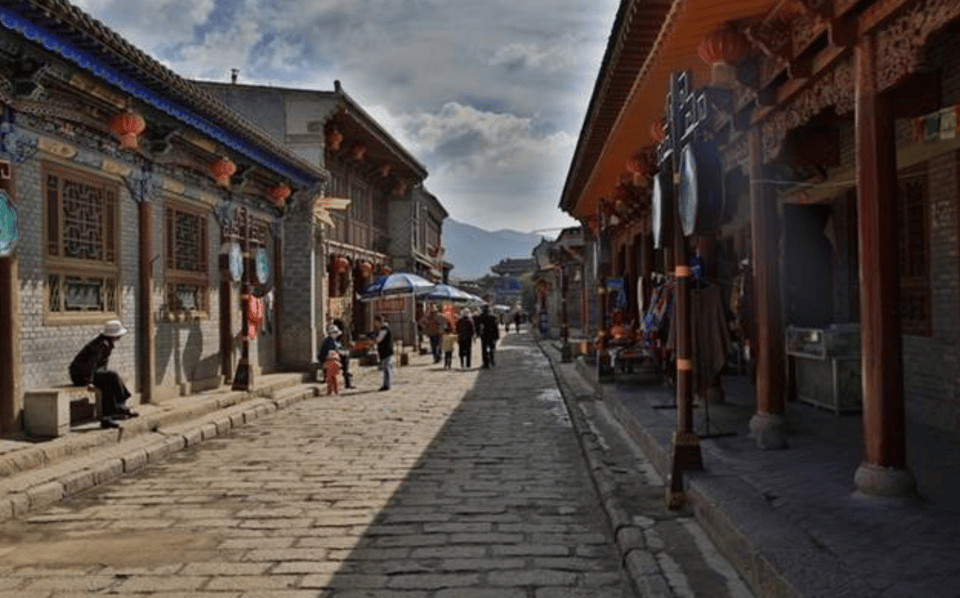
<point>473,250</point>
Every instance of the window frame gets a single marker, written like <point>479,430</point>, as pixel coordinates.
<point>58,268</point>
<point>173,276</point>
<point>917,285</point>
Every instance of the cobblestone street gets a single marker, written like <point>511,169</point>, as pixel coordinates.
<point>455,484</point>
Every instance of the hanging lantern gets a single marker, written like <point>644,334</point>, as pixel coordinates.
<point>658,130</point>
<point>127,126</point>
<point>279,193</point>
<point>400,188</point>
<point>725,45</point>
<point>334,138</point>
<point>339,265</point>
<point>364,269</point>
<point>222,169</point>
<point>638,165</point>
<point>358,151</point>
<point>384,170</point>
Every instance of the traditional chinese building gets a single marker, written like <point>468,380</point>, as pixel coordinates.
<point>137,197</point>
<point>391,222</point>
<point>831,128</point>
<point>559,283</point>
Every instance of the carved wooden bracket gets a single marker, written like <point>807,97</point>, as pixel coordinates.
<point>901,41</point>
<point>834,87</point>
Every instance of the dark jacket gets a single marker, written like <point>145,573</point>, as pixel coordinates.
<point>385,345</point>
<point>465,328</point>
<point>94,356</point>
<point>489,327</point>
<point>329,344</point>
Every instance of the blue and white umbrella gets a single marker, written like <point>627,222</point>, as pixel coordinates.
<point>444,292</point>
<point>397,283</point>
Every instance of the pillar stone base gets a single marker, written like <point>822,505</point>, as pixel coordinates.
<point>885,482</point>
<point>769,430</point>
<point>686,456</point>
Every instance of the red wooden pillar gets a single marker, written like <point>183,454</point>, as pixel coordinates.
<point>883,471</point>
<point>768,424</point>
<point>145,290</point>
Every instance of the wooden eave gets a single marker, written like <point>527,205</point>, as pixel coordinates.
<point>618,123</point>
<point>357,125</point>
<point>95,38</point>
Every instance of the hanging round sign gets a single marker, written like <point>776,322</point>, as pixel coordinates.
<point>700,193</point>
<point>261,266</point>
<point>660,206</point>
<point>236,262</point>
<point>9,228</point>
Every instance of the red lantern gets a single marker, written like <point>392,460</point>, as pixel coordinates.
<point>384,170</point>
<point>638,165</point>
<point>400,188</point>
<point>334,138</point>
<point>339,265</point>
<point>222,169</point>
<point>358,151</point>
<point>364,269</point>
<point>127,126</point>
<point>279,193</point>
<point>726,45</point>
<point>658,130</point>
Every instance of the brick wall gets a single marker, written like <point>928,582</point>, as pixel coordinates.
<point>303,282</point>
<point>187,352</point>
<point>931,363</point>
<point>46,351</point>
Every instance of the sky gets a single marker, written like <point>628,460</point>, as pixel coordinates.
<point>489,95</point>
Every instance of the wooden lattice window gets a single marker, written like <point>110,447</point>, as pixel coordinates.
<point>187,261</point>
<point>914,250</point>
<point>81,234</point>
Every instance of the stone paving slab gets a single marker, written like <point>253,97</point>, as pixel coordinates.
<point>789,519</point>
<point>447,530</point>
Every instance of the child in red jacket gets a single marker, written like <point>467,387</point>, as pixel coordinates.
<point>331,369</point>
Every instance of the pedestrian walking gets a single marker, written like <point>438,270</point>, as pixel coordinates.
<point>447,343</point>
<point>384,340</point>
<point>89,368</point>
<point>432,324</point>
<point>465,331</point>
<point>516,321</point>
<point>489,331</point>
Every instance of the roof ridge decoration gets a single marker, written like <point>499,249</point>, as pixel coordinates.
<point>13,17</point>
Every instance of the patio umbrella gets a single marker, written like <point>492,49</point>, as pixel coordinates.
<point>396,283</point>
<point>445,292</point>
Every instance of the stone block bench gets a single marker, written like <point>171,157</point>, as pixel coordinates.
<point>46,411</point>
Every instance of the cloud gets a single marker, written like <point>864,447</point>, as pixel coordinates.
<point>156,24</point>
<point>485,94</point>
<point>490,169</point>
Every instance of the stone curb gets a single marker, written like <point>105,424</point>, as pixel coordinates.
<point>640,566</point>
<point>131,448</point>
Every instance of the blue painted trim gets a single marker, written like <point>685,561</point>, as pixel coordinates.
<point>55,43</point>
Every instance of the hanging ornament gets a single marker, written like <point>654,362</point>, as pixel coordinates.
<point>279,193</point>
<point>726,45</point>
<point>222,169</point>
<point>128,126</point>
